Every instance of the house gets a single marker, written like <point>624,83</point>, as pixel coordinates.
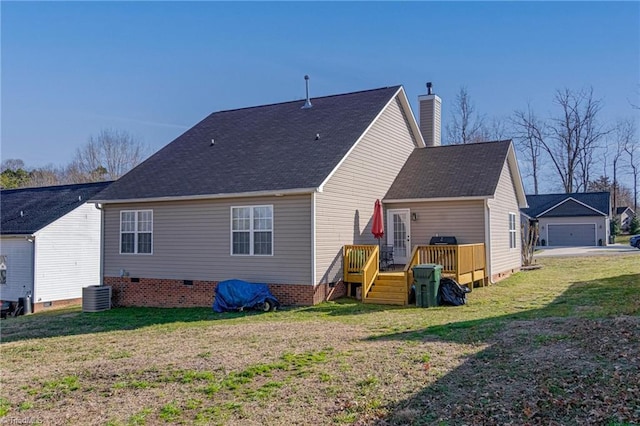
<point>472,192</point>
<point>624,216</point>
<point>49,243</point>
<point>574,219</point>
<point>273,193</point>
<point>266,194</point>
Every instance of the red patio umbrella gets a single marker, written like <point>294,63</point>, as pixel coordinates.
<point>377,227</point>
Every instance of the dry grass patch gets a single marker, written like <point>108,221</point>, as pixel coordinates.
<point>557,345</point>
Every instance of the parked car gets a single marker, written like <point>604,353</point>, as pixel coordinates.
<point>635,241</point>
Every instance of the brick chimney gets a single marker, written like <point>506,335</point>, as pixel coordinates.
<point>430,116</point>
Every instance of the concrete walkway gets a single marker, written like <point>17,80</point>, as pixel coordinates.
<point>611,249</point>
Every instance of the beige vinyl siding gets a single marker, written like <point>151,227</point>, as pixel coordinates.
<point>462,219</point>
<point>502,257</point>
<point>345,207</point>
<point>192,241</point>
<point>67,256</point>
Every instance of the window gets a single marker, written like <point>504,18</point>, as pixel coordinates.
<point>136,231</point>
<point>252,230</point>
<point>512,230</point>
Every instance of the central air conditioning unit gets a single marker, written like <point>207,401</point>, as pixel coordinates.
<point>96,298</point>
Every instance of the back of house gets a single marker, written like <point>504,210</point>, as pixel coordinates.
<point>266,194</point>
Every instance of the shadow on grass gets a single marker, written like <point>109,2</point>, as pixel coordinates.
<point>570,362</point>
<point>346,307</point>
<point>72,321</point>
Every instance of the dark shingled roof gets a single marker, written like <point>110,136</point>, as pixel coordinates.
<point>620,210</point>
<point>42,206</point>
<point>451,171</point>
<point>263,148</point>
<point>540,203</point>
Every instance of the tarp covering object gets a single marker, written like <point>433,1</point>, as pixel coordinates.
<point>235,295</point>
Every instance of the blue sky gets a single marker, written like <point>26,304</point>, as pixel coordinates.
<point>154,69</point>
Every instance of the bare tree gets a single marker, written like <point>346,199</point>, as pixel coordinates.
<point>529,132</point>
<point>573,138</point>
<point>603,184</point>
<point>465,127</point>
<point>12,164</point>
<point>623,136</point>
<point>46,176</point>
<point>106,156</point>
<point>632,150</point>
<point>529,235</point>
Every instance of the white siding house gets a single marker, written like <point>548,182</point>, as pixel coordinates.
<point>51,242</point>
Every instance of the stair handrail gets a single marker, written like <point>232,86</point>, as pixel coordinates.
<point>408,272</point>
<point>370,271</point>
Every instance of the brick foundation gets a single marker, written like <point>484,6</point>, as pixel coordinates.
<point>56,304</point>
<point>163,293</point>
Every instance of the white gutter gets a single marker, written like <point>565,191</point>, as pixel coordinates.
<point>417,200</point>
<point>487,239</point>
<point>99,207</point>
<point>313,239</point>
<point>211,196</point>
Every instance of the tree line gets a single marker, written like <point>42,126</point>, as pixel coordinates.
<point>571,144</point>
<point>106,156</point>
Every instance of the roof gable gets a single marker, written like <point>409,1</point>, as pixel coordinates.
<point>27,210</point>
<point>454,171</point>
<point>271,148</point>
<point>570,207</point>
<point>622,210</point>
<point>598,203</point>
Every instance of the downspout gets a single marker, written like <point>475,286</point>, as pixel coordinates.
<point>487,239</point>
<point>32,240</point>
<point>313,239</point>
<point>99,207</point>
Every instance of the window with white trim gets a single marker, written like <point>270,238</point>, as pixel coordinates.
<point>136,231</point>
<point>512,230</point>
<point>252,230</point>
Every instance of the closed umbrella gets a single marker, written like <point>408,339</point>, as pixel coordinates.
<point>377,227</point>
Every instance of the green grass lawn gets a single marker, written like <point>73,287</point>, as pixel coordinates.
<point>520,351</point>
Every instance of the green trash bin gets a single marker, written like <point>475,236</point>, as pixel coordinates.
<point>427,278</point>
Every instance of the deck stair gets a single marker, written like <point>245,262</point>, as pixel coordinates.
<point>389,288</point>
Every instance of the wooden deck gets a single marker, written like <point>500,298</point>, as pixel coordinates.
<point>465,263</point>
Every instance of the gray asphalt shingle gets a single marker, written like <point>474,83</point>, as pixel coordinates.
<point>451,171</point>
<point>41,206</point>
<point>540,203</point>
<point>264,148</point>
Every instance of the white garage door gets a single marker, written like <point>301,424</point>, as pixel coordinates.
<point>572,235</point>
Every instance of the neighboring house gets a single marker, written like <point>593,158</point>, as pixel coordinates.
<point>266,194</point>
<point>624,216</point>
<point>473,192</point>
<point>50,243</point>
<point>576,219</point>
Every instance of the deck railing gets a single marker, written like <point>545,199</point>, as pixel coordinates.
<point>464,262</point>
<point>361,265</point>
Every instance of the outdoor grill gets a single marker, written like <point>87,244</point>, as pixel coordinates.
<point>443,241</point>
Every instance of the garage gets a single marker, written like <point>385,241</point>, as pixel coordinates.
<point>583,234</point>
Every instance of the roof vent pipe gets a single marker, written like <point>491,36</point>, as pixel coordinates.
<point>307,103</point>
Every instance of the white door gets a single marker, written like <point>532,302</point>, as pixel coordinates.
<point>398,234</point>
